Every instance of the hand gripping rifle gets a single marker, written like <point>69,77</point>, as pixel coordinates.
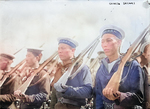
<point>114,82</point>
<point>22,63</point>
<point>67,75</point>
<point>26,84</point>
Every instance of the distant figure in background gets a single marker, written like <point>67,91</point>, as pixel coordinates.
<point>144,61</point>
<point>95,63</point>
<point>10,84</point>
<point>39,88</point>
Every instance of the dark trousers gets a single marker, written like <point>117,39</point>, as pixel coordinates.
<point>65,106</point>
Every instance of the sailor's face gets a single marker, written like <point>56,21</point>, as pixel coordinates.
<point>3,63</point>
<point>65,52</point>
<point>147,54</point>
<point>30,59</point>
<point>110,44</point>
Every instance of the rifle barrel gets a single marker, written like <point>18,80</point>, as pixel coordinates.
<point>67,75</point>
<point>19,50</point>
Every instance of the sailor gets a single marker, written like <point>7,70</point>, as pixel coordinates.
<point>10,84</point>
<point>38,90</point>
<point>132,84</point>
<point>144,61</point>
<point>72,95</point>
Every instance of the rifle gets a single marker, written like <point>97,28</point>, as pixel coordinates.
<point>13,70</point>
<point>53,65</point>
<point>114,82</point>
<point>26,84</point>
<point>54,62</point>
<point>67,75</point>
<point>18,50</point>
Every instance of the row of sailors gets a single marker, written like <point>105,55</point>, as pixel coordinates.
<point>72,95</point>
<point>35,94</point>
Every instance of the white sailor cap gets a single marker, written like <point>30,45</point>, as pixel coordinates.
<point>68,41</point>
<point>111,29</point>
<point>7,55</point>
<point>35,51</point>
<point>143,46</point>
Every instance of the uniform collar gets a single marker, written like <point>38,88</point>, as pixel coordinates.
<point>105,61</point>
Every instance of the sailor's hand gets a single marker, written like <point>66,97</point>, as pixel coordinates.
<point>111,94</point>
<point>59,87</point>
<point>17,93</point>
<point>22,97</point>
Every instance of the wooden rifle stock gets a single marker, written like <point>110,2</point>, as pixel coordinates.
<point>25,85</point>
<point>12,71</point>
<point>114,82</point>
<point>53,65</point>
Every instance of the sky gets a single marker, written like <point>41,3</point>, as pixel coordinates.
<point>33,23</point>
